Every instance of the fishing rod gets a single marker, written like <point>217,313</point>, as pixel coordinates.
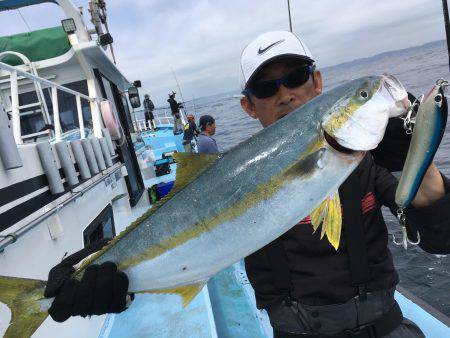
<point>181,93</point>
<point>447,27</point>
<point>289,11</point>
<point>195,108</point>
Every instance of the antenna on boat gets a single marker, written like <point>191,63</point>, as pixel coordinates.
<point>289,11</point>
<point>447,28</point>
<point>97,9</point>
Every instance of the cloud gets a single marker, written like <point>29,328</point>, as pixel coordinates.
<point>202,40</point>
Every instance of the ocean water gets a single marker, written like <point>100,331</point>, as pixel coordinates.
<point>425,275</point>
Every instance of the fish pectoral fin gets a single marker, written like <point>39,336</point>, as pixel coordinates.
<point>190,166</point>
<point>333,221</point>
<point>22,297</point>
<point>329,214</point>
<point>317,216</point>
<point>187,292</point>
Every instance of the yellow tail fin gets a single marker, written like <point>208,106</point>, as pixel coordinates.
<point>22,297</point>
<point>187,293</point>
<point>329,213</point>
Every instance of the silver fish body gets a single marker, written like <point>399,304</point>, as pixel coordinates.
<point>255,192</point>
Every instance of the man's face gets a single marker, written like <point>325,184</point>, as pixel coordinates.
<point>211,128</point>
<point>271,109</point>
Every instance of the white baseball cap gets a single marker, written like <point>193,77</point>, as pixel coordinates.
<point>268,47</point>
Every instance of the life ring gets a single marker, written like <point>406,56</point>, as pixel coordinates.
<point>110,120</point>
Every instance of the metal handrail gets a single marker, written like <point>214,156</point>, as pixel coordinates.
<point>15,108</point>
<point>12,237</point>
<point>161,118</point>
<point>39,93</point>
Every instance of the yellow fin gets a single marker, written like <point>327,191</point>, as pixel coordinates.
<point>334,221</point>
<point>190,166</point>
<point>329,214</point>
<point>317,216</point>
<point>22,297</point>
<point>187,293</point>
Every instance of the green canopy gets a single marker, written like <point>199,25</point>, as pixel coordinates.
<point>38,45</point>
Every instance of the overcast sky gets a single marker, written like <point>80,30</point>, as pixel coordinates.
<point>202,40</point>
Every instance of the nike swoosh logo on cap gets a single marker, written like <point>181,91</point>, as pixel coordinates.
<point>262,51</point>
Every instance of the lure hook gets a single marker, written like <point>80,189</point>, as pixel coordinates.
<point>409,120</point>
<point>405,239</point>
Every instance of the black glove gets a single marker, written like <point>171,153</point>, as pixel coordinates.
<point>392,150</point>
<point>102,289</point>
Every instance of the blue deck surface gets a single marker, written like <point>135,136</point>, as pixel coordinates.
<point>163,140</point>
<point>233,313</point>
<point>162,316</point>
<point>430,325</point>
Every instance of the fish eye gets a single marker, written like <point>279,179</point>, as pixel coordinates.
<point>363,94</point>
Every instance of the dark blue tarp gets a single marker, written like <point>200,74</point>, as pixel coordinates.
<point>13,4</point>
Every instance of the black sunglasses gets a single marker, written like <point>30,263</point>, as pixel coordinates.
<point>265,89</point>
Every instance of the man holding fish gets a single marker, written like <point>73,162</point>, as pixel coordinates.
<point>308,288</point>
<point>311,157</point>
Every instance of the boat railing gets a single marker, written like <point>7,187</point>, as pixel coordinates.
<point>16,75</point>
<point>163,117</point>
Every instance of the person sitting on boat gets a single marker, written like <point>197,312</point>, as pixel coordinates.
<point>190,131</point>
<point>205,143</point>
<point>175,108</point>
<point>308,288</point>
<point>149,117</point>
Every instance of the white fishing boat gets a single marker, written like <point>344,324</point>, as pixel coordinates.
<point>68,144</point>
<point>77,166</point>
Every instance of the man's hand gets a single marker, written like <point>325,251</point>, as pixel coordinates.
<point>431,189</point>
<point>393,148</point>
<point>102,288</point>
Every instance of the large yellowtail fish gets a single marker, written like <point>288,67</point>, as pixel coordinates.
<point>225,207</point>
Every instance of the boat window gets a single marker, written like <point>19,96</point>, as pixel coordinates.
<point>32,120</point>
<point>101,227</point>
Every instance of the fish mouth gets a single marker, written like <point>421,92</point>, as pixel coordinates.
<point>281,116</point>
<point>333,143</point>
<point>360,125</point>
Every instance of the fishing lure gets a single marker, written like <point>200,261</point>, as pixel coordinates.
<point>429,128</point>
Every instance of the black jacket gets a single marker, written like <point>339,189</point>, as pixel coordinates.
<point>320,275</point>
<point>148,105</point>
<point>190,130</point>
<point>174,106</point>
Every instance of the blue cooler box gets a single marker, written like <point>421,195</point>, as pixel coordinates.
<point>164,188</point>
